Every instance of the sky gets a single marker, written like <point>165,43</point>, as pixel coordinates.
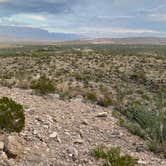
<point>92,18</point>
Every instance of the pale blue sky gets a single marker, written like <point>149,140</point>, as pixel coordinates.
<point>94,18</point>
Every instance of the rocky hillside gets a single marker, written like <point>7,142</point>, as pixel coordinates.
<point>63,133</point>
<point>78,98</point>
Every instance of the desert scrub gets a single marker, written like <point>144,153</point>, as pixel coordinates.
<point>160,99</point>
<point>122,92</point>
<point>91,96</point>
<point>66,95</point>
<point>43,85</point>
<point>11,115</point>
<point>113,157</point>
<point>154,123</point>
<point>104,101</point>
<point>151,122</point>
<point>139,76</point>
<point>132,128</point>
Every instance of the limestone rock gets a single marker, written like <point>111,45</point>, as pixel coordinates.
<point>79,141</point>
<point>1,145</point>
<point>53,135</point>
<point>102,114</point>
<point>13,146</point>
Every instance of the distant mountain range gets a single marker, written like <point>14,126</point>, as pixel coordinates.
<point>16,34</point>
<point>132,40</point>
<point>27,34</point>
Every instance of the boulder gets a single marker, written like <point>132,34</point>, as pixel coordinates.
<point>13,146</point>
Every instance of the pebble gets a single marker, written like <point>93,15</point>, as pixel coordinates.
<point>35,132</point>
<point>141,162</point>
<point>85,122</point>
<point>72,151</point>
<point>79,141</point>
<point>2,145</point>
<point>53,135</point>
<point>3,156</point>
<point>102,114</point>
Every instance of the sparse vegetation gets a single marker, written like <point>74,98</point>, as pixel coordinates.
<point>130,79</point>
<point>91,96</point>
<point>43,85</point>
<point>148,124</point>
<point>113,157</point>
<point>104,101</point>
<point>134,128</point>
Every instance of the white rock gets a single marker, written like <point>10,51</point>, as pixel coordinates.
<point>2,145</point>
<point>141,162</point>
<point>57,96</point>
<point>59,140</point>
<point>3,156</point>
<point>79,141</point>
<point>102,114</point>
<point>53,135</point>
<point>72,151</point>
<point>35,132</point>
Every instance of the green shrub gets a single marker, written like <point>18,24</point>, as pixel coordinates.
<point>122,92</point>
<point>43,85</point>
<point>156,147</point>
<point>91,96</point>
<point>133,128</point>
<point>139,76</point>
<point>160,99</point>
<point>150,122</point>
<point>113,157</point>
<point>11,115</point>
<point>65,95</point>
<point>99,152</point>
<point>104,101</point>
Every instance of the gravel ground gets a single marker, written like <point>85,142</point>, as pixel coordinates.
<point>62,133</point>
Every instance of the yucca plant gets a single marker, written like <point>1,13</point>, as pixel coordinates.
<point>160,99</point>
<point>152,122</point>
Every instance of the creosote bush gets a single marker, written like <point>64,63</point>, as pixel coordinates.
<point>43,85</point>
<point>113,157</point>
<point>12,117</point>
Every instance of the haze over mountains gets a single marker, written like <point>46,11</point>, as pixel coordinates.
<point>16,34</point>
<point>130,40</point>
<point>27,34</point>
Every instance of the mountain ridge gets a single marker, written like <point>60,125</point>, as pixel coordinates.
<point>29,34</point>
<point>32,34</point>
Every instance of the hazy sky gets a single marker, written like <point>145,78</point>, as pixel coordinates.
<point>96,18</point>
